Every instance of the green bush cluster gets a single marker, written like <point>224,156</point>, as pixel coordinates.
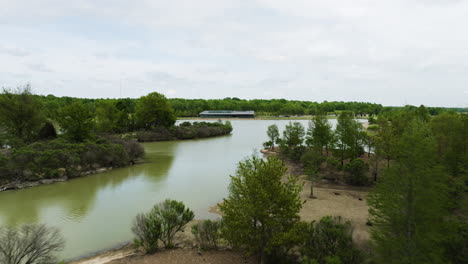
<point>185,130</point>
<point>58,158</point>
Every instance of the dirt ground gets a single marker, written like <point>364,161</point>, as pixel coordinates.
<point>188,256</point>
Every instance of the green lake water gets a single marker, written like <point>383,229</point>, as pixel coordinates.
<point>96,212</point>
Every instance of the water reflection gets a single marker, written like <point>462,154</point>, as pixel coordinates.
<point>77,197</point>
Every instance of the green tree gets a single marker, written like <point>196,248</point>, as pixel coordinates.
<point>76,120</point>
<point>154,110</point>
<point>348,136</point>
<point>451,132</point>
<point>311,161</point>
<point>385,139</point>
<point>107,116</point>
<point>260,208</point>
<point>408,205</point>
<point>20,114</point>
<point>291,143</point>
<point>319,133</point>
<point>293,134</point>
<point>273,134</point>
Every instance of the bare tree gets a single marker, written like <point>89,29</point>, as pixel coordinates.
<point>30,244</point>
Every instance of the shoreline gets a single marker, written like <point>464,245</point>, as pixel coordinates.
<point>20,185</point>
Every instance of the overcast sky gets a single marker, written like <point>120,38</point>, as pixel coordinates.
<point>392,52</point>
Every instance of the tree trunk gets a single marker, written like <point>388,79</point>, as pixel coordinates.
<point>312,189</point>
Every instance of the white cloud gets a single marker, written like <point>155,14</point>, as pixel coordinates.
<point>388,51</point>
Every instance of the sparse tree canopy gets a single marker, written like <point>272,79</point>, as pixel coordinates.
<point>30,244</point>
<point>154,110</point>
<point>260,208</point>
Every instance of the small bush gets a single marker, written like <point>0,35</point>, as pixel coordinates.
<point>330,241</point>
<point>147,229</point>
<point>161,223</point>
<point>268,144</point>
<point>356,172</point>
<point>207,234</point>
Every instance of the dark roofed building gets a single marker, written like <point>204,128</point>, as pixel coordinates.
<point>227,113</point>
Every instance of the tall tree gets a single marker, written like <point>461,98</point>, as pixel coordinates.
<point>319,134</point>
<point>260,208</point>
<point>76,120</point>
<point>20,113</point>
<point>273,134</point>
<point>408,205</point>
<point>154,110</point>
<point>293,134</point>
<point>348,136</point>
<point>385,139</point>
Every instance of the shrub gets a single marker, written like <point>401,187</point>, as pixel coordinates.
<point>161,223</point>
<point>173,216</point>
<point>147,229</point>
<point>31,244</point>
<point>356,172</point>
<point>207,234</point>
<point>44,158</point>
<point>330,241</point>
<point>268,144</point>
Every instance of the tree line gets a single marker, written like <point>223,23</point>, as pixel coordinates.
<point>43,139</point>
<point>418,166</point>
<point>263,107</point>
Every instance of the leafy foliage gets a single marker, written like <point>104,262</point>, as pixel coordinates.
<point>260,209</point>
<point>273,135</point>
<point>329,241</point>
<point>409,204</point>
<point>154,110</point>
<point>161,223</point>
<point>357,172</point>
<point>59,158</point>
<point>20,115</point>
<point>147,229</point>
<point>76,120</point>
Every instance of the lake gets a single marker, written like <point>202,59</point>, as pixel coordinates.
<point>96,212</point>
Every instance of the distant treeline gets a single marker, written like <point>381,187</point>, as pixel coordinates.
<point>262,107</point>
